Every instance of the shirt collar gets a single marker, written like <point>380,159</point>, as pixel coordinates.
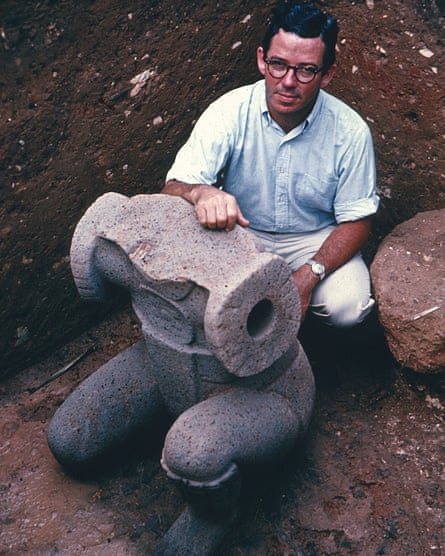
<point>303,126</point>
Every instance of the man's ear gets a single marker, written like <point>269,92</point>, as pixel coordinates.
<point>327,77</point>
<point>260,60</point>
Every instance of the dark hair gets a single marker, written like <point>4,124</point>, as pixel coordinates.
<point>306,21</point>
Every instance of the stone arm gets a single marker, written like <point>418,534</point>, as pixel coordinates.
<point>214,208</point>
<point>341,245</point>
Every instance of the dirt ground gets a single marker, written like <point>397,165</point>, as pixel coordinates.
<point>370,479</point>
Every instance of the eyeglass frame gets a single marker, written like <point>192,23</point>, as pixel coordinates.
<point>269,61</point>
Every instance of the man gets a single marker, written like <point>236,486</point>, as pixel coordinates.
<point>297,166</point>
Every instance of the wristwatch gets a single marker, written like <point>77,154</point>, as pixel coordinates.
<point>317,268</point>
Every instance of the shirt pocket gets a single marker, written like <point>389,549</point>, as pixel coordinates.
<point>314,192</point>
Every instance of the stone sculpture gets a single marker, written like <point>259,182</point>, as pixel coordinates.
<point>219,357</point>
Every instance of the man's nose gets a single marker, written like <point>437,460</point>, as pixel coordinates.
<point>289,79</point>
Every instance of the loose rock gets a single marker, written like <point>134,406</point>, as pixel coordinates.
<point>408,273</point>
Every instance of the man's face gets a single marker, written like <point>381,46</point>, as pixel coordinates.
<point>288,100</point>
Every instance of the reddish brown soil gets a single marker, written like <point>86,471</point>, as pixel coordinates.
<point>71,130</point>
<point>370,479</point>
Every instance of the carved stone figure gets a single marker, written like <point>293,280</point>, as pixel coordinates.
<point>220,359</point>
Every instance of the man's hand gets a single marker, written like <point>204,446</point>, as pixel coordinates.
<point>215,209</point>
<point>306,281</point>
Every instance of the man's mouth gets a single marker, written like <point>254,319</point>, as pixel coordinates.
<point>287,97</point>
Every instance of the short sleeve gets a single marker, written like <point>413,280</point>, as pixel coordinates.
<point>206,151</point>
<point>356,195</point>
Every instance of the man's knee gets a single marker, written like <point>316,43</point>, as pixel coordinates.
<point>343,315</point>
<point>343,299</point>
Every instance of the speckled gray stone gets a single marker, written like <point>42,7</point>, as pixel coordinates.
<point>220,319</point>
<point>116,406</point>
<point>247,299</point>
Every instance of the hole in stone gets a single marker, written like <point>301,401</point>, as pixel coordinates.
<point>260,318</point>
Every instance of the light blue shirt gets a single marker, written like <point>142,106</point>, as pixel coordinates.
<point>318,174</point>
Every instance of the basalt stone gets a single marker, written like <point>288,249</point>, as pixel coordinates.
<point>220,356</point>
<point>200,292</point>
<point>110,412</point>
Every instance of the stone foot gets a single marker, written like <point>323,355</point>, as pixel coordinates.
<point>192,534</point>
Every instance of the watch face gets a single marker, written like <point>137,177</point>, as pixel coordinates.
<point>318,268</point>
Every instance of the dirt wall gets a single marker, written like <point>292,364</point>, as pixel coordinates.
<point>73,127</point>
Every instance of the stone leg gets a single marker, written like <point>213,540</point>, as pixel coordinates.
<point>108,413</point>
<point>203,452</point>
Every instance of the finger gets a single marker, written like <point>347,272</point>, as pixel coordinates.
<point>202,216</point>
<point>241,220</point>
<point>211,218</point>
<point>222,218</point>
<point>230,222</point>
<point>234,215</point>
<point>238,218</point>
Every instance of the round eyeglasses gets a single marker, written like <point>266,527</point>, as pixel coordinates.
<point>304,73</point>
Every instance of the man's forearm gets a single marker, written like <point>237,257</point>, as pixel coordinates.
<point>181,189</point>
<point>343,243</point>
